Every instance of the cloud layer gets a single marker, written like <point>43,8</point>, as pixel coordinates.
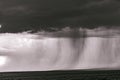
<point>88,13</point>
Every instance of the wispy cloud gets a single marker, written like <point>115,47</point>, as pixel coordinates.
<point>17,10</point>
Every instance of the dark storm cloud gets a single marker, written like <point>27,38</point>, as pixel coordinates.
<point>60,12</point>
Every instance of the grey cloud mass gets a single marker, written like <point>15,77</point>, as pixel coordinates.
<point>83,13</point>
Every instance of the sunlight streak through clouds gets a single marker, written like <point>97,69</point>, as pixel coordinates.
<point>3,60</point>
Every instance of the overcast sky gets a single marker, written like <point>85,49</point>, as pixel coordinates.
<point>59,12</point>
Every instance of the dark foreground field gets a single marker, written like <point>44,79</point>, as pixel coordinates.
<point>62,75</point>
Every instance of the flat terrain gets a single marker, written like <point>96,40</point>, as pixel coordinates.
<point>63,75</point>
